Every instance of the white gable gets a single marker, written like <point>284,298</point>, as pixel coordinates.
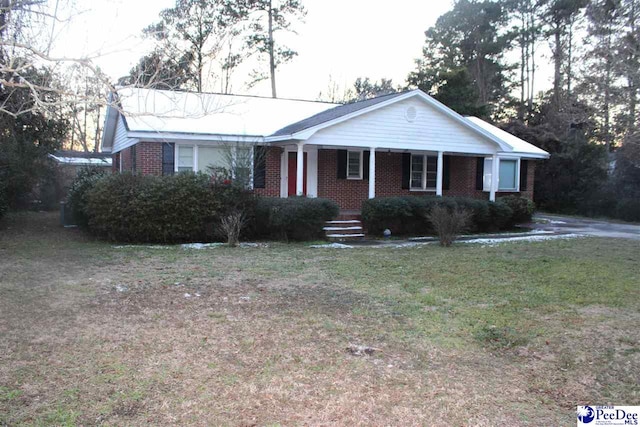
<point>121,140</point>
<point>410,124</point>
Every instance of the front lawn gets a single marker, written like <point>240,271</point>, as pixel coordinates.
<point>514,334</point>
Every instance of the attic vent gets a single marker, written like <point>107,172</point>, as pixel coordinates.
<point>411,114</point>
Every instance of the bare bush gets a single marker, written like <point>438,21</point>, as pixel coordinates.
<point>231,226</point>
<point>448,222</point>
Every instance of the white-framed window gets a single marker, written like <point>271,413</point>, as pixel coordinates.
<point>185,158</point>
<point>234,161</point>
<point>508,174</point>
<point>424,172</point>
<point>354,164</point>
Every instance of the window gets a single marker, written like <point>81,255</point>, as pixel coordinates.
<point>424,172</point>
<point>354,164</point>
<point>211,157</point>
<point>228,162</point>
<point>507,180</point>
<point>185,158</point>
<point>507,174</point>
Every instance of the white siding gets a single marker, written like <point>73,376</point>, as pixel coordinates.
<point>388,127</point>
<point>121,140</point>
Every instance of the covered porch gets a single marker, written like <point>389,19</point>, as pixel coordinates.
<point>350,175</point>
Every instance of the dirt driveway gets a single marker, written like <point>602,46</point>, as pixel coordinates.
<point>589,227</point>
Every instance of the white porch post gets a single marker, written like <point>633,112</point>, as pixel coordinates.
<point>495,171</point>
<point>372,172</point>
<point>300,170</point>
<point>439,173</point>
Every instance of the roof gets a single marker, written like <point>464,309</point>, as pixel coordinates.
<point>81,158</point>
<point>518,145</point>
<point>191,115</point>
<point>147,110</point>
<point>332,114</point>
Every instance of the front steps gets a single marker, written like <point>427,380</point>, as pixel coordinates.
<point>344,230</point>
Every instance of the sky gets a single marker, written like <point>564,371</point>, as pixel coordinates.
<point>339,40</point>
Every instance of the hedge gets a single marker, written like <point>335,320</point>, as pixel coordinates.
<point>407,215</point>
<point>85,179</point>
<point>187,207</point>
<point>294,218</point>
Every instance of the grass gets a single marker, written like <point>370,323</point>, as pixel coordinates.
<point>527,329</point>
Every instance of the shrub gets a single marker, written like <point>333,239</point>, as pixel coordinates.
<point>408,214</point>
<point>294,218</point>
<point>231,226</point>
<point>522,208</point>
<point>178,208</point>
<point>501,217</point>
<point>77,197</point>
<point>448,222</point>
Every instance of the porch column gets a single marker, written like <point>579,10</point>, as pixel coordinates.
<point>439,173</point>
<point>372,172</point>
<point>495,171</point>
<point>300,170</point>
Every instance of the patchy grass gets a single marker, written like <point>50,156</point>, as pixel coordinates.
<point>91,334</point>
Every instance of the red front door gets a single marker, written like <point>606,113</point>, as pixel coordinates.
<point>293,173</point>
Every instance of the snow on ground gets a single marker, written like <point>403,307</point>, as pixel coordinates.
<point>333,246</point>
<point>495,241</point>
<point>191,246</point>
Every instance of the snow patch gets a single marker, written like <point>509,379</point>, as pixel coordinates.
<point>492,242</point>
<point>200,245</point>
<point>332,246</point>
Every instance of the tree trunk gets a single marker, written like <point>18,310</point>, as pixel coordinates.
<point>557,65</point>
<point>272,60</point>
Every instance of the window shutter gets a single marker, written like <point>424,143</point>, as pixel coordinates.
<point>479,173</point>
<point>134,159</point>
<point>168,158</point>
<point>365,164</point>
<point>259,166</point>
<point>342,164</point>
<point>406,170</point>
<point>524,170</point>
<point>446,172</point>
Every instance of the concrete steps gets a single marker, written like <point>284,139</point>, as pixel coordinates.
<point>344,230</point>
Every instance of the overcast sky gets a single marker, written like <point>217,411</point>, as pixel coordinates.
<point>344,39</point>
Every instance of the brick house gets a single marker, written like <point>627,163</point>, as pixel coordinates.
<point>399,144</point>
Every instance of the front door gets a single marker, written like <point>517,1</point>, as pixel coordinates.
<point>293,173</point>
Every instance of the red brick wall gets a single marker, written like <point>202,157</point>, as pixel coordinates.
<point>462,178</point>
<point>348,193</point>
<point>115,163</point>
<point>125,159</point>
<point>149,158</point>
<point>272,179</point>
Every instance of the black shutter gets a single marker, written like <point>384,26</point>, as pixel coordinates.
<point>524,170</point>
<point>365,166</point>
<point>342,164</point>
<point>259,166</point>
<point>479,173</point>
<point>446,173</point>
<point>134,159</point>
<point>168,158</point>
<point>406,170</point>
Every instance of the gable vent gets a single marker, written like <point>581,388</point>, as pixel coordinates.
<point>410,114</point>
